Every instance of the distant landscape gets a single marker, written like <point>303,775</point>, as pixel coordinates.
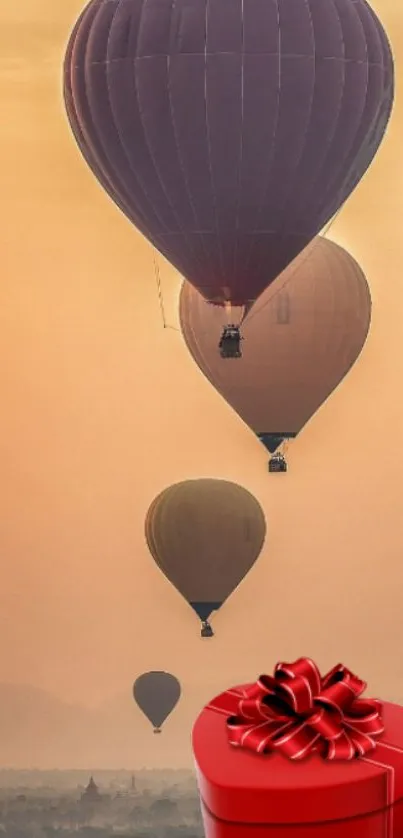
<point>103,804</point>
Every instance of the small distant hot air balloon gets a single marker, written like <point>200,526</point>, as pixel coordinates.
<point>304,334</point>
<point>205,535</point>
<point>156,693</point>
<point>229,133</point>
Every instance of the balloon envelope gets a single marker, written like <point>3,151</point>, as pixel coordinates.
<point>156,693</point>
<point>229,133</point>
<point>300,340</point>
<point>205,535</point>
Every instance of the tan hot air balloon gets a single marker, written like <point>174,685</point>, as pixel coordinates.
<point>156,693</point>
<point>205,535</point>
<point>300,339</point>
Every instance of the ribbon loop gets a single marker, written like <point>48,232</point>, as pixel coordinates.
<point>297,712</point>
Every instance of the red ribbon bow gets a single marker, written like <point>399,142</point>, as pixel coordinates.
<point>298,712</point>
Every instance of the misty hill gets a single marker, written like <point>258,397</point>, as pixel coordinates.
<point>39,730</point>
<point>34,725</point>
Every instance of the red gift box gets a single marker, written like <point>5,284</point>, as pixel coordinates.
<point>246,794</point>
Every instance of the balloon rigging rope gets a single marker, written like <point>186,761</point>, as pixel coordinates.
<point>157,274</point>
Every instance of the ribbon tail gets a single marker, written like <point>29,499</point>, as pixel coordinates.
<point>362,742</point>
<point>254,737</point>
<point>297,741</point>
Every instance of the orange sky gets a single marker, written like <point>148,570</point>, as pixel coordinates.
<point>102,408</point>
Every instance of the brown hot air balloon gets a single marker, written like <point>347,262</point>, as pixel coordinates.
<point>156,693</point>
<point>301,338</point>
<point>205,535</point>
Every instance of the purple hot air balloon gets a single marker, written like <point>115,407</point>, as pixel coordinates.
<point>229,131</point>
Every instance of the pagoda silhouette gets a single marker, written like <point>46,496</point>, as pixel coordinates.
<point>131,791</point>
<point>91,793</point>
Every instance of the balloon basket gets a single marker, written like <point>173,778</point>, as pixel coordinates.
<point>157,730</point>
<point>277,464</point>
<point>206,631</point>
<point>230,343</point>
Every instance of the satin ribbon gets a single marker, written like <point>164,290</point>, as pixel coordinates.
<point>297,712</point>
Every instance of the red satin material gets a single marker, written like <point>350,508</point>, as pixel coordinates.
<point>238,785</point>
<point>374,825</point>
<point>298,712</point>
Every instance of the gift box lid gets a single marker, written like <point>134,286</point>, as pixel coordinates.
<point>240,786</point>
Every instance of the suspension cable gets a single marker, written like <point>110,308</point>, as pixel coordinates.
<point>157,275</point>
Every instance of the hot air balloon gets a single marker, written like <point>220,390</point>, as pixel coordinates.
<point>229,133</point>
<point>205,535</point>
<point>303,336</point>
<point>156,693</point>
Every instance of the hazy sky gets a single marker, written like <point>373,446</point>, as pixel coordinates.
<point>102,408</point>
